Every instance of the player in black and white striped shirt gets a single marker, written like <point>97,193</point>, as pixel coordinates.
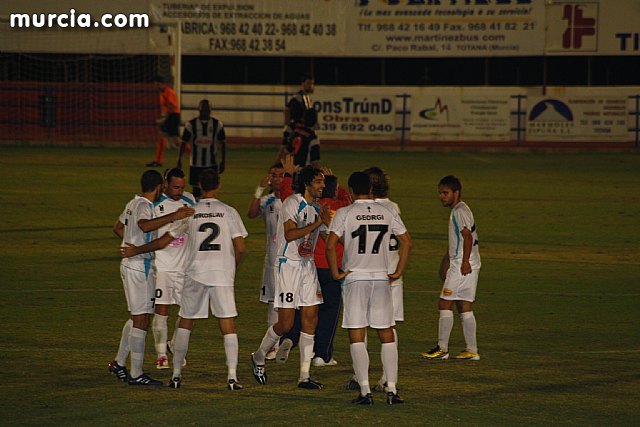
<point>204,134</point>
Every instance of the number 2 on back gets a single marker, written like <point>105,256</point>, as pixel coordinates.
<point>206,244</point>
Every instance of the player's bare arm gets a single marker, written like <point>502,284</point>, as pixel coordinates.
<point>148,225</point>
<point>325,215</point>
<point>332,257</point>
<point>292,232</point>
<point>467,244</point>
<point>254,206</point>
<point>132,250</point>
<point>288,164</point>
<point>238,249</point>
<point>404,250</point>
<point>444,266</point>
<point>118,228</point>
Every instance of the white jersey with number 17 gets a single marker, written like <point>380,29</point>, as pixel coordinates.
<point>366,227</point>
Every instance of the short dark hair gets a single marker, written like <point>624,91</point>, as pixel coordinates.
<point>305,77</point>
<point>306,176</point>
<point>204,101</point>
<point>277,165</point>
<point>359,183</point>
<point>310,117</point>
<point>209,180</point>
<point>150,180</point>
<point>173,173</point>
<point>379,181</point>
<point>330,186</point>
<point>452,182</point>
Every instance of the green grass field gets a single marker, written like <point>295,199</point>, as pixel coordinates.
<point>558,302</point>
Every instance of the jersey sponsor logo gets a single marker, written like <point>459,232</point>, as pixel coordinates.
<point>447,292</point>
<point>204,141</point>
<point>178,241</point>
<point>209,215</point>
<point>369,217</point>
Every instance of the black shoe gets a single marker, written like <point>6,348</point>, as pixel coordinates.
<point>233,385</point>
<point>153,164</point>
<point>144,379</point>
<point>363,400</point>
<point>393,399</point>
<point>258,371</point>
<point>119,371</point>
<point>175,382</point>
<point>352,384</point>
<point>310,384</point>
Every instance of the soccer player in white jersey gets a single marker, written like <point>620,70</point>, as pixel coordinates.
<point>215,246</point>
<point>136,226</point>
<point>366,227</point>
<point>380,192</point>
<point>461,279</point>
<point>268,207</point>
<point>297,285</point>
<point>169,261</point>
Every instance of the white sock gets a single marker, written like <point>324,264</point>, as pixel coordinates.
<point>180,348</point>
<point>384,373</point>
<point>231,351</point>
<point>306,354</point>
<point>123,348</point>
<point>360,359</point>
<point>136,344</point>
<point>173,337</point>
<point>469,330</point>
<point>445,325</point>
<point>272,318</point>
<point>268,341</point>
<point>272,314</point>
<point>389,356</point>
<point>160,332</point>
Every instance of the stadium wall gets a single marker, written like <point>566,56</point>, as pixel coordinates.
<point>109,114</point>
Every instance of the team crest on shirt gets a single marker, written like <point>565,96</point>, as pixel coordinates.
<point>271,208</point>
<point>305,217</point>
<point>161,208</point>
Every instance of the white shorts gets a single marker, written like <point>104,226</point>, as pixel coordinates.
<point>198,298</point>
<point>268,284</point>
<point>397,298</point>
<point>297,285</point>
<point>139,289</point>
<point>459,287</point>
<point>367,303</point>
<point>169,286</point>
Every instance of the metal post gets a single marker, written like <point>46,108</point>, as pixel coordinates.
<point>404,121</point>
